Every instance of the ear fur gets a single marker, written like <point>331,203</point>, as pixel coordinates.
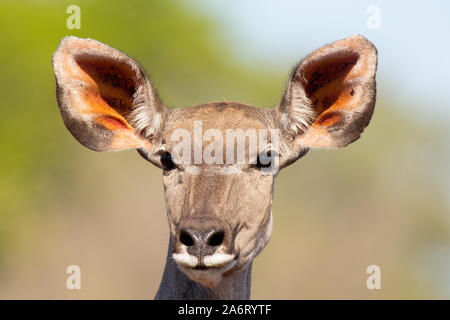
<point>104,96</point>
<point>330,96</point>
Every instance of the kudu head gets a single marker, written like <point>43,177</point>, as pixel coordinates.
<point>219,159</point>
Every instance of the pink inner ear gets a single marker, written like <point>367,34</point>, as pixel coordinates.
<point>328,119</point>
<point>325,80</point>
<point>338,82</point>
<point>115,83</point>
<point>111,123</point>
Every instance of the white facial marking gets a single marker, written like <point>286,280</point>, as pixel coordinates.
<point>217,259</point>
<point>185,259</point>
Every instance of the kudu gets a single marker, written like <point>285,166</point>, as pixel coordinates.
<point>220,214</point>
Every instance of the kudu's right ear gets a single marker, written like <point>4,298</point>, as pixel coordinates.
<point>330,95</point>
<point>105,98</point>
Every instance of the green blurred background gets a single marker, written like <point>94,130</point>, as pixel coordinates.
<point>383,200</point>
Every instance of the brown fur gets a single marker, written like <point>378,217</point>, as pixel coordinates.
<point>107,103</point>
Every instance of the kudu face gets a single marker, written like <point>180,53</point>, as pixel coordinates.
<point>219,213</point>
<point>218,187</point>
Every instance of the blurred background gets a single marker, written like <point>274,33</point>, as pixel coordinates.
<point>383,200</point>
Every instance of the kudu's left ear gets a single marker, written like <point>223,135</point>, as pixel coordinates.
<point>106,101</point>
<point>330,96</point>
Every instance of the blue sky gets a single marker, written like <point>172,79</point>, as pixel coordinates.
<point>413,40</point>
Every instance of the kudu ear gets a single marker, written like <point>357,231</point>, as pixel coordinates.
<point>106,101</point>
<point>330,95</point>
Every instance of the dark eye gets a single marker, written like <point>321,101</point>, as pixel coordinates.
<point>166,160</point>
<point>264,160</point>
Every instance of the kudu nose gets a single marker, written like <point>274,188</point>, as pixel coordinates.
<point>191,237</point>
<point>203,236</point>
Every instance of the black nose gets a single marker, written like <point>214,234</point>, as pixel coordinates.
<point>191,237</point>
<point>202,236</point>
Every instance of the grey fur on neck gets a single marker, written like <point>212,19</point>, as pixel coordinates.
<point>175,285</point>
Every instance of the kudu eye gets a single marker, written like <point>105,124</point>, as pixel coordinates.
<point>166,161</point>
<point>264,160</point>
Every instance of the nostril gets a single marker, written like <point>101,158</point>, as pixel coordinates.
<point>186,239</point>
<point>216,239</point>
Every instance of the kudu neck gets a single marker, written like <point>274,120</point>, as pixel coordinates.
<point>176,285</point>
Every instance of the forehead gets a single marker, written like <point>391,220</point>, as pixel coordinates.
<point>220,116</point>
